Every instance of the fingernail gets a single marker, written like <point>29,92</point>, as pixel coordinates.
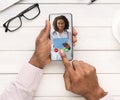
<point>62,52</point>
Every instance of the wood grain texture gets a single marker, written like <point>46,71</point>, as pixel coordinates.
<point>69,1</point>
<point>89,38</point>
<point>104,61</point>
<point>53,84</point>
<point>96,45</point>
<point>83,15</point>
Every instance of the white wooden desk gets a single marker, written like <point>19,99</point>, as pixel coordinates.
<point>96,45</point>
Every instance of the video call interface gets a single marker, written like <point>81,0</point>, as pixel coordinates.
<point>61,35</point>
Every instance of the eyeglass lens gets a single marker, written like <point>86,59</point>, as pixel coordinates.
<point>15,23</point>
<point>31,14</point>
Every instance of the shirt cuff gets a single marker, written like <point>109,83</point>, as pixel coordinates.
<point>29,77</point>
<point>107,97</point>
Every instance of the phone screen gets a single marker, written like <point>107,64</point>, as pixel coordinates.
<point>61,35</point>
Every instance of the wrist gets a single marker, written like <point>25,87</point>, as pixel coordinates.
<point>96,94</point>
<point>35,62</point>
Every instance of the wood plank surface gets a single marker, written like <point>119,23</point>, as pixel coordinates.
<point>83,15</point>
<point>69,1</point>
<point>53,84</point>
<point>88,39</point>
<point>96,45</point>
<point>104,61</point>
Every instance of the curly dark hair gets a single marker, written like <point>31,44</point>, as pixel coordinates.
<point>66,45</point>
<point>63,18</point>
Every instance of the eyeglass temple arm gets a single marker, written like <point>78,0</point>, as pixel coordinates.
<point>91,2</point>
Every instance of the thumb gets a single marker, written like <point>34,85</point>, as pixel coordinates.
<point>47,28</point>
<point>45,31</point>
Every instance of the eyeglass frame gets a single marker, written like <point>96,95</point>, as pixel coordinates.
<point>6,24</point>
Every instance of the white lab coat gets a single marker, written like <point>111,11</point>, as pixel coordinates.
<point>64,34</point>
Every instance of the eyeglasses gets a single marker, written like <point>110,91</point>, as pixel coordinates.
<point>15,23</point>
<point>91,2</point>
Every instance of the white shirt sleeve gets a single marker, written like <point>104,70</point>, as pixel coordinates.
<point>25,85</point>
<point>107,97</point>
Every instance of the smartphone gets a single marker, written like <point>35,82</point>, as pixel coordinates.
<point>61,35</point>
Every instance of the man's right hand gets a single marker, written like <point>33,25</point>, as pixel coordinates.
<point>81,78</point>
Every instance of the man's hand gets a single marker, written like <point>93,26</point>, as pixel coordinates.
<point>42,51</point>
<point>81,78</point>
<point>74,34</point>
<point>41,56</point>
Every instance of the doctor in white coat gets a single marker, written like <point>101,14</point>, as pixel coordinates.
<point>61,27</point>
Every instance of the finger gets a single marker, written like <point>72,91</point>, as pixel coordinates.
<point>77,66</point>
<point>47,27</point>
<point>83,64</point>
<point>67,81</point>
<point>88,67</point>
<point>66,63</point>
<point>74,39</point>
<point>74,33</point>
<point>46,30</point>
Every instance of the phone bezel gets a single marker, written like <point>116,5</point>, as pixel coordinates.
<point>71,32</point>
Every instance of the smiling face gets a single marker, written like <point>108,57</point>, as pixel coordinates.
<point>60,25</point>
